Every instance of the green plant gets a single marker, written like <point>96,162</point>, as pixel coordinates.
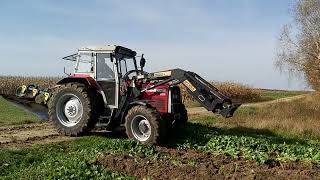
<point>66,160</point>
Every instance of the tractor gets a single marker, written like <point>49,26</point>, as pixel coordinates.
<point>108,89</point>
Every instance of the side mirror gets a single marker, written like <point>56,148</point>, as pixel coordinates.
<point>142,62</point>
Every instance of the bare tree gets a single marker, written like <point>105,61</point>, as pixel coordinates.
<point>299,43</point>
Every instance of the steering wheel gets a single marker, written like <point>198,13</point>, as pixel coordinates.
<point>126,77</point>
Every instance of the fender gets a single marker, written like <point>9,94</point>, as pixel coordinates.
<point>87,80</point>
<point>84,79</point>
<point>130,105</point>
<point>140,102</point>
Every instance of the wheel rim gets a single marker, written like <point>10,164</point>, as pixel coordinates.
<point>141,128</point>
<point>69,110</point>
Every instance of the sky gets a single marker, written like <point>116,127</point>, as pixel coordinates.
<point>221,40</point>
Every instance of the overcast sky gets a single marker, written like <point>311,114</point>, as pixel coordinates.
<point>222,40</point>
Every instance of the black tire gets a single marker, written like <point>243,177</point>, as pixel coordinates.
<point>90,109</point>
<point>183,115</point>
<point>157,125</point>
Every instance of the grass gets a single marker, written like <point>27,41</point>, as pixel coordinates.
<point>298,117</point>
<point>273,95</point>
<point>12,115</point>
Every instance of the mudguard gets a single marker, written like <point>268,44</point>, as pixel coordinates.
<point>84,79</point>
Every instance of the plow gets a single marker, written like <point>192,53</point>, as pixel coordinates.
<point>108,89</point>
<point>34,91</point>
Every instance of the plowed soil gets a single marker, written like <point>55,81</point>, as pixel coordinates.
<point>174,164</point>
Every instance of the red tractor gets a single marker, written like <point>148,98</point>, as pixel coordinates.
<point>109,89</point>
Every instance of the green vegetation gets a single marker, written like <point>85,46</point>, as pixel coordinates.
<point>262,146</point>
<point>11,115</point>
<point>66,160</point>
<point>273,95</point>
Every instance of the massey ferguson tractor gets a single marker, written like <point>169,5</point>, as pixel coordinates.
<point>108,89</point>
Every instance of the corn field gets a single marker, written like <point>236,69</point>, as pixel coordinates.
<point>238,92</point>
<point>9,84</point>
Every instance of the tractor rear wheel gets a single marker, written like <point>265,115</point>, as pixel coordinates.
<point>145,125</point>
<point>72,108</point>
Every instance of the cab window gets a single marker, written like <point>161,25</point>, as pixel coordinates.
<point>104,66</point>
<point>85,63</point>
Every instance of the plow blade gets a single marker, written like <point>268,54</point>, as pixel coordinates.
<point>35,92</point>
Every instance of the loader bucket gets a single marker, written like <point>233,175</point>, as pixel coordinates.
<point>228,111</point>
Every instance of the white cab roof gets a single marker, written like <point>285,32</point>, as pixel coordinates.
<point>109,48</point>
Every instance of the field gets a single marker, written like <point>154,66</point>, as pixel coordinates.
<point>276,137</point>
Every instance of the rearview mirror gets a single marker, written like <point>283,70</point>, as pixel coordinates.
<point>142,61</point>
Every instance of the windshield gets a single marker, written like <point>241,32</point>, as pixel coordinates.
<point>126,64</point>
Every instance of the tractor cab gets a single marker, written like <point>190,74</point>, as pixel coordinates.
<point>108,66</point>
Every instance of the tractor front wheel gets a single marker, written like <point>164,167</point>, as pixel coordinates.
<point>145,125</point>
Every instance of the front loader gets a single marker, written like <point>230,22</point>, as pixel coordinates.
<point>107,89</point>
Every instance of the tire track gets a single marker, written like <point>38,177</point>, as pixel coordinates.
<point>27,135</point>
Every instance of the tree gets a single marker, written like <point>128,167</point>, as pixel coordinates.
<point>299,43</point>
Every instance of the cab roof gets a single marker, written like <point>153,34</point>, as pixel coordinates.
<point>109,49</point>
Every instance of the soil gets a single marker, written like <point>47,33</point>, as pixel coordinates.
<point>26,135</point>
<point>174,164</point>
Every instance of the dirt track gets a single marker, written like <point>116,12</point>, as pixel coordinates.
<point>26,135</point>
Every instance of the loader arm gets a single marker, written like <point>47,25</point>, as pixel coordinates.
<point>204,92</point>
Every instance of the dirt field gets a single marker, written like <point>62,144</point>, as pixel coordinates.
<point>200,165</point>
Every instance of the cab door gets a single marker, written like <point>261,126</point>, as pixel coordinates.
<point>107,79</point>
